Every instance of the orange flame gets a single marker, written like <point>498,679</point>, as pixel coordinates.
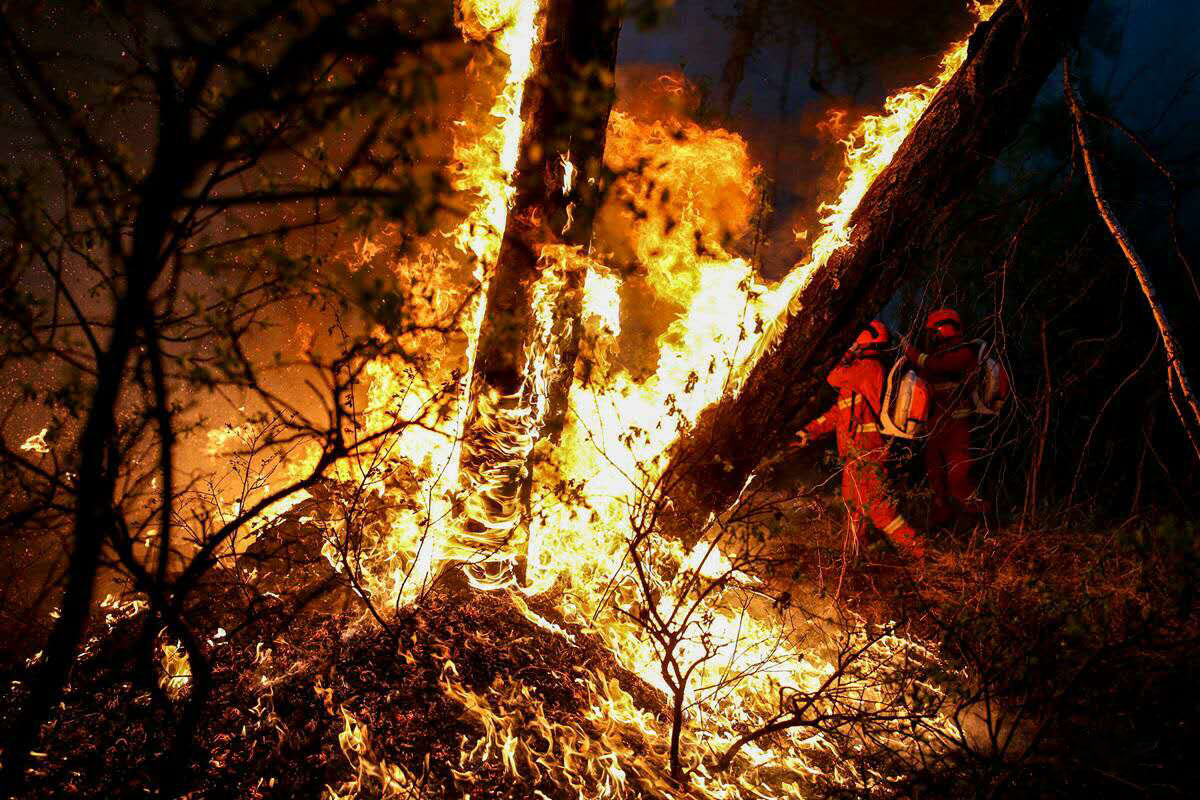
<point>688,194</point>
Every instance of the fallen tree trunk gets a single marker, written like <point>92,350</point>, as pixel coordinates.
<point>963,130</point>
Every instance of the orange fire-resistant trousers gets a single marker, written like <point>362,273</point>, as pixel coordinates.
<point>865,490</point>
<point>948,466</point>
<point>864,452</point>
<point>948,449</point>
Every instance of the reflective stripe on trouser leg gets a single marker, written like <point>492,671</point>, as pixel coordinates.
<point>903,536</point>
<point>865,490</point>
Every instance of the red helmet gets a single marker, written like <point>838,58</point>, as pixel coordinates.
<point>873,337</point>
<point>944,323</point>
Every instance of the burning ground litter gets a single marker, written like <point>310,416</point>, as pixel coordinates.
<point>330,708</point>
<point>462,697</point>
<point>573,543</point>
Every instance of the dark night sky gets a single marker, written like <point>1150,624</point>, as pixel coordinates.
<point>1152,81</point>
<point>1158,51</point>
<point>1161,47</point>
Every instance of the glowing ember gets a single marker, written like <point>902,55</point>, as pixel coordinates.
<point>176,670</point>
<point>37,443</point>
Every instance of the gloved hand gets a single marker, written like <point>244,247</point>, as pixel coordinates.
<point>801,440</point>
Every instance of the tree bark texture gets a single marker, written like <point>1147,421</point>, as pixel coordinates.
<point>591,47</point>
<point>566,105</point>
<point>968,123</point>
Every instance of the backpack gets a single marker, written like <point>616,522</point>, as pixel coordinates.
<point>992,386</point>
<point>906,404</point>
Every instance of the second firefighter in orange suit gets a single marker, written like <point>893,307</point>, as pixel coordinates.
<point>859,380</point>
<point>947,368</point>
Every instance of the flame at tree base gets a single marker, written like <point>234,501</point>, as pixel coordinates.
<point>687,191</point>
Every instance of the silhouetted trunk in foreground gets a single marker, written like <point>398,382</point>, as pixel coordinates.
<point>967,125</point>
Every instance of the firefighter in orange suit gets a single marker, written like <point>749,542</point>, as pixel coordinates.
<point>947,367</point>
<point>860,380</point>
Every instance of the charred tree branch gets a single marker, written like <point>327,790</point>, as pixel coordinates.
<point>1175,365</point>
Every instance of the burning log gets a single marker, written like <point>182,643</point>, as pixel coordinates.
<point>529,340</point>
<point>976,113</point>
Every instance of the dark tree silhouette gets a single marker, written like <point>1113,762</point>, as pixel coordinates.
<point>140,270</point>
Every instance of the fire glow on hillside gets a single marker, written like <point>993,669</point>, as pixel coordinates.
<point>568,539</point>
<point>564,399</point>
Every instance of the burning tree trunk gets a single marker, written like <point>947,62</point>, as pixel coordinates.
<point>528,342</point>
<point>591,49</point>
<point>965,127</point>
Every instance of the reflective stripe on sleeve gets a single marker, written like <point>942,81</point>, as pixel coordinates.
<point>868,427</point>
<point>895,524</point>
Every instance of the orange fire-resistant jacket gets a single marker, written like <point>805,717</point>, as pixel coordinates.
<point>947,371</point>
<point>855,419</point>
